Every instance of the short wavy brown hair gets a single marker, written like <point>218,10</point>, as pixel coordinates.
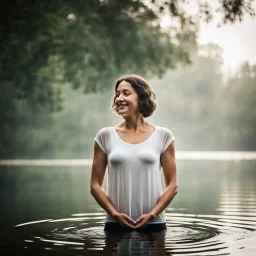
<point>144,91</point>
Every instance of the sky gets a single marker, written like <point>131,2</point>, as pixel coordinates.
<point>238,40</point>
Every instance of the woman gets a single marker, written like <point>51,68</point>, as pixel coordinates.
<point>134,152</point>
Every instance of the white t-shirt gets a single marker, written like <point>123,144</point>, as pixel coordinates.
<point>134,181</point>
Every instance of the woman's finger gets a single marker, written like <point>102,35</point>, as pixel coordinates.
<point>139,219</point>
<point>124,222</point>
<point>129,225</point>
<point>139,225</point>
<point>143,223</point>
<point>130,219</point>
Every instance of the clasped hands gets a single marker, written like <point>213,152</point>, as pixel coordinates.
<point>126,221</point>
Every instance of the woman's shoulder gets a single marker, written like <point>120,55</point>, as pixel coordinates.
<point>163,128</point>
<point>166,131</point>
<point>104,130</point>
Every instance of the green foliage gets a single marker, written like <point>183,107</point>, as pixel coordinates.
<point>188,101</point>
<point>240,111</point>
<point>192,101</point>
<point>48,47</point>
<point>47,44</point>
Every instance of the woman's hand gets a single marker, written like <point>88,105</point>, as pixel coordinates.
<point>143,220</point>
<point>124,220</point>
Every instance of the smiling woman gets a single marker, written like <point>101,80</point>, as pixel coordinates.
<point>134,151</point>
<point>134,91</point>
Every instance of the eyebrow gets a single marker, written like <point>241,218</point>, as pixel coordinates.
<point>123,90</point>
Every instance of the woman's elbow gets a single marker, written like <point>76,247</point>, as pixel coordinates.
<point>93,188</point>
<point>175,189</point>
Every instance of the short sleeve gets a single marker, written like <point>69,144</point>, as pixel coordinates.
<point>168,138</point>
<point>100,138</point>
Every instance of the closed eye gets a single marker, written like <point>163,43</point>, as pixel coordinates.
<point>126,94</point>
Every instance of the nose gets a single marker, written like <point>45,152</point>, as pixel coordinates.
<point>119,98</point>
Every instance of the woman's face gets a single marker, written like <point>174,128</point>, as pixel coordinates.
<point>127,99</point>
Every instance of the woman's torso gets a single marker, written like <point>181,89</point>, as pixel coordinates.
<point>133,179</point>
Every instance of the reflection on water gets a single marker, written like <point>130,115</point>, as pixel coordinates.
<point>213,214</point>
<point>180,155</point>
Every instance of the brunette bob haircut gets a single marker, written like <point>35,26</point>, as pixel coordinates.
<point>147,103</point>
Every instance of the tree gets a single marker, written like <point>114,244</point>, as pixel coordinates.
<point>46,44</point>
<point>240,108</point>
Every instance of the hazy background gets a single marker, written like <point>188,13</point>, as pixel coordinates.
<point>58,64</point>
<point>59,61</point>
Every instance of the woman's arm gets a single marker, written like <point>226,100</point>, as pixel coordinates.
<point>97,176</point>
<point>169,168</point>
<point>99,165</point>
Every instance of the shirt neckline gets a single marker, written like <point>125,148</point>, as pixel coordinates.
<point>134,144</point>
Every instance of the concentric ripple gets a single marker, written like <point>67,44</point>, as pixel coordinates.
<point>187,234</point>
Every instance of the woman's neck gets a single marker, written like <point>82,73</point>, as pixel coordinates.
<point>134,123</point>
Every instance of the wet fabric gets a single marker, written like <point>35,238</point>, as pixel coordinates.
<point>133,171</point>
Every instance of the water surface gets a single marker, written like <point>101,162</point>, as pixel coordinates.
<point>49,211</point>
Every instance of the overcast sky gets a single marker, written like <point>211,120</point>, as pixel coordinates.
<point>238,40</point>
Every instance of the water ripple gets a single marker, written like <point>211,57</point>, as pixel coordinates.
<point>187,234</point>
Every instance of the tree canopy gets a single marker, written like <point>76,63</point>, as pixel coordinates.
<point>46,44</point>
<point>203,112</point>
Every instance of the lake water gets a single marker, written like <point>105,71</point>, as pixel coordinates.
<point>50,211</point>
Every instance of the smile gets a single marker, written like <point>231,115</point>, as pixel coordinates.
<point>122,105</point>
